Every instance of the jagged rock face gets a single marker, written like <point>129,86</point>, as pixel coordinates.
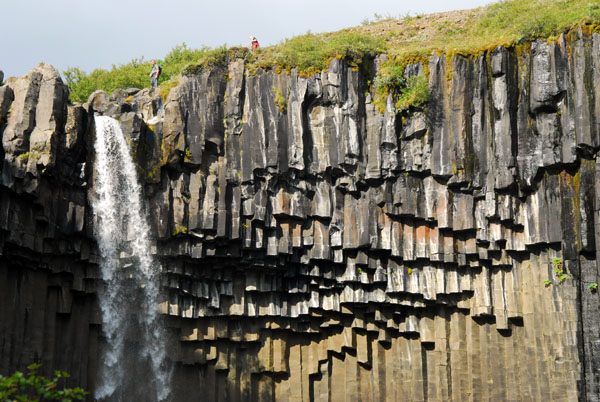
<point>314,248</point>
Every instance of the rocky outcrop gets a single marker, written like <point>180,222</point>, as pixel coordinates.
<point>314,248</point>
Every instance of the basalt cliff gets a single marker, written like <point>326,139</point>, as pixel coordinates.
<point>316,248</point>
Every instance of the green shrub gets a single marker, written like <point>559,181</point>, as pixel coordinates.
<point>411,92</point>
<point>35,388</point>
<point>280,101</point>
<point>414,94</point>
<point>131,75</point>
<point>557,263</point>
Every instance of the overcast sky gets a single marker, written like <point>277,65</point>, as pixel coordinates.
<point>91,34</point>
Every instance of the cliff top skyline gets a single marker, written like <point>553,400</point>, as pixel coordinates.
<point>67,33</point>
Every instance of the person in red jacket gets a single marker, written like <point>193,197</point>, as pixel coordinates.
<point>255,44</point>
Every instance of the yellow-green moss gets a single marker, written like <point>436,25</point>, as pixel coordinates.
<point>153,171</point>
<point>180,230</point>
<point>280,101</point>
<point>165,88</point>
<point>24,157</point>
<point>187,155</point>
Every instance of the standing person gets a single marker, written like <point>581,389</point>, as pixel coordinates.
<point>154,74</point>
<point>255,44</point>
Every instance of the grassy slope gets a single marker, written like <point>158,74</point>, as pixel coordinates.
<point>505,22</point>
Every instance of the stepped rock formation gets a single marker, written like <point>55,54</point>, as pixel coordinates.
<point>317,249</point>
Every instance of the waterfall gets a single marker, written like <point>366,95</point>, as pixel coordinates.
<point>133,361</point>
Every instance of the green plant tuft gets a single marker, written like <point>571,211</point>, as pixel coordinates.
<point>280,101</point>
<point>415,94</point>
<point>557,263</point>
<point>34,387</point>
<point>187,156</point>
<point>24,157</point>
<point>180,231</point>
<point>407,92</point>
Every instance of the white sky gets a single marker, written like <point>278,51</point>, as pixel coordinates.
<point>99,33</point>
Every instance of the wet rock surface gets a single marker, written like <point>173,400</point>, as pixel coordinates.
<point>314,248</point>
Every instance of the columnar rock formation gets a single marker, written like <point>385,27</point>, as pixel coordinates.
<point>314,248</point>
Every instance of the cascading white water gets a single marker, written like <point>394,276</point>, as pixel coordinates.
<point>134,363</point>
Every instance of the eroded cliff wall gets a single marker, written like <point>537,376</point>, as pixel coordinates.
<point>314,248</point>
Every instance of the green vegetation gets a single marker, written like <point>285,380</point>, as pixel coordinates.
<point>471,31</point>
<point>182,230</point>
<point>187,156</point>
<point>24,157</point>
<point>153,171</point>
<point>35,388</point>
<point>280,101</point>
<point>558,268</point>
<point>414,94</point>
<point>406,92</point>
<point>312,53</point>
<point>516,20</point>
<point>131,75</point>
<point>218,57</point>
<point>557,263</point>
<point>406,40</point>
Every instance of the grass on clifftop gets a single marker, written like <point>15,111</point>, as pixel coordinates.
<point>312,52</point>
<point>407,38</point>
<point>131,75</point>
<point>501,23</point>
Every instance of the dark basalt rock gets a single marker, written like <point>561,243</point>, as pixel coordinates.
<point>313,247</point>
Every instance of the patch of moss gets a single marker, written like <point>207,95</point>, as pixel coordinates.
<point>280,101</point>
<point>165,88</point>
<point>24,157</point>
<point>153,171</point>
<point>187,156</point>
<point>180,231</point>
